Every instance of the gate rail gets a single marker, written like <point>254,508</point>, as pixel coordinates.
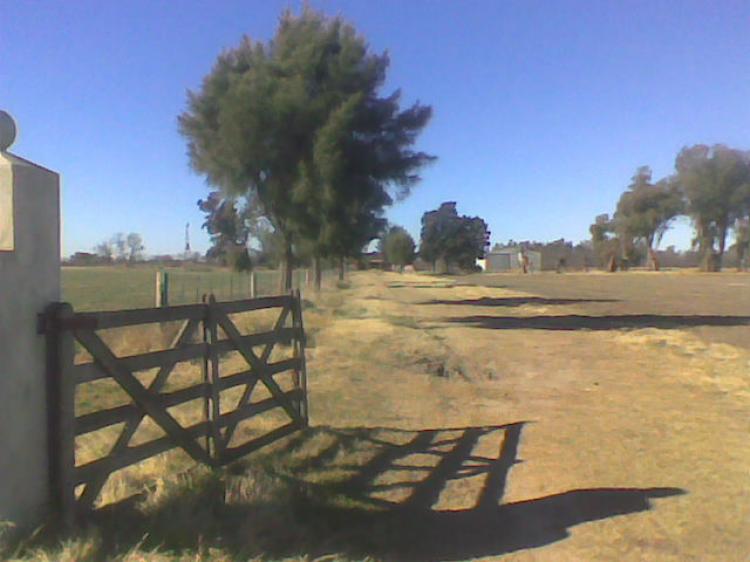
<point>63,328</point>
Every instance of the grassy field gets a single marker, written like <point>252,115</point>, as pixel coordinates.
<point>543,417</point>
<point>108,288</point>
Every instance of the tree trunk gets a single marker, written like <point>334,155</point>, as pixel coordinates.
<point>653,260</point>
<point>317,273</point>
<point>287,269</point>
<point>612,265</point>
<point>722,246</point>
<point>342,268</point>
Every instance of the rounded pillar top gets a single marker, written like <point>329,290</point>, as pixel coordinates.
<point>7,130</point>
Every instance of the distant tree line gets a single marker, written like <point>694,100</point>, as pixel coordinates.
<point>711,185</point>
<point>119,248</point>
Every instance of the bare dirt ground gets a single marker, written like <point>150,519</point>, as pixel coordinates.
<point>563,427</point>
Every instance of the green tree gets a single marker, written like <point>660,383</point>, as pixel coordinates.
<point>601,238</point>
<point>398,247</point>
<point>135,246</point>
<point>716,184</point>
<point>612,243</point>
<point>645,211</point>
<point>297,124</point>
<point>459,240</point>
<point>227,228</point>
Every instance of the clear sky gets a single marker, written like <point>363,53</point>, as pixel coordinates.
<point>542,109</point>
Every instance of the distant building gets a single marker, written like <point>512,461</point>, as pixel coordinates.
<point>373,260</point>
<point>509,259</point>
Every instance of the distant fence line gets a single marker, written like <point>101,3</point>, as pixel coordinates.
<point>174,286</point>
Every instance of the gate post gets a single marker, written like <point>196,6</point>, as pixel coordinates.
<point>300,379</point>
<point>61,411</point>
<point>29,282</point>
<point>214,412</point>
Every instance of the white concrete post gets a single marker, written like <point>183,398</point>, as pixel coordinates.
<point>29,282</point>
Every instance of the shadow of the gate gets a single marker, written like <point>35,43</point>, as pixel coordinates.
<point>336,502</point>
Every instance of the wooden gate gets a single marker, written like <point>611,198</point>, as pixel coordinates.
<point>206,332</point>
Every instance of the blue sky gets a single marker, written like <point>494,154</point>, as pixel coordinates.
<point>543,110</point>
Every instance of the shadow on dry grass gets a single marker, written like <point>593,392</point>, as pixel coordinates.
<point>356,493</point>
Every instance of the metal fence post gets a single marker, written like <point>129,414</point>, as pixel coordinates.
<point>162,289</point>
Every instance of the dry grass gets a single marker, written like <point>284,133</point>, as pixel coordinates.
<point>435,439</point>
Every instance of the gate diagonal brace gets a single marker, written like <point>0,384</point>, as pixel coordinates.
<point>143,397</point>
<point>94,486</point>
<point>245,398</point>
<point>259,366</point>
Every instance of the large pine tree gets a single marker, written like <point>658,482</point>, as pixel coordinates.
<point>297,125</point>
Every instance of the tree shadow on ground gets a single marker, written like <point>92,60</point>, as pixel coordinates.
<point>517,301</point>
<point>607,322</point>
<point>382,505</point>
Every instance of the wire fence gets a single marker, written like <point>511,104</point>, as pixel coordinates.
<point>119,287</point>
<point>185,287</point>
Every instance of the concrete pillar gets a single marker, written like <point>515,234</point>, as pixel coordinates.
<point>29,281</point>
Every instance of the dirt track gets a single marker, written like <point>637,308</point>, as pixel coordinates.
<point>564,438</point>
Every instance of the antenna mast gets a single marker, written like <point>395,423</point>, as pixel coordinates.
<point>187,241</point>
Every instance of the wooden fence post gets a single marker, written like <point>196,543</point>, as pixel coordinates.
<point>253,284</point>
<point>61,412</point>
<point>157,290</point>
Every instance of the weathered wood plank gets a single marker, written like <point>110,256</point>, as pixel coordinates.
<point>125,413</point>
<point>249,376</point>
<point>231,331</point>
<point>245,398</point>
<point>254,409</point>
<point>120,318</point>
<point>148,401</point>
<point>234,307</point>
<point>140,395</point>
<point>93,487</point>
<point>89,372</point>
<point>131,455</point>
<point>234,453</point>
<point>281,335</point>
